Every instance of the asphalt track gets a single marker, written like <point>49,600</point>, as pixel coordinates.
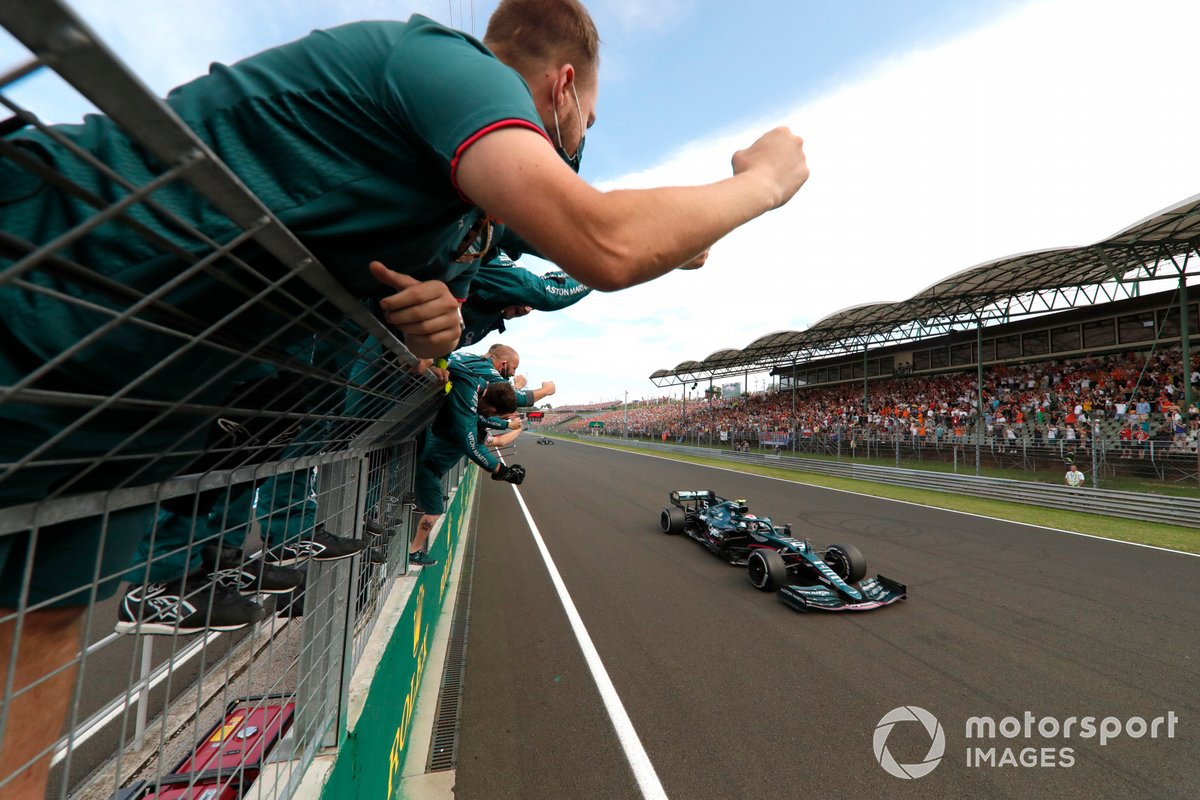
<point>735,695</point>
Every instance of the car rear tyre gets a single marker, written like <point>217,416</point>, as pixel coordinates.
<point>672,520</point>
<point>766,570</point>
<point>847,561</point>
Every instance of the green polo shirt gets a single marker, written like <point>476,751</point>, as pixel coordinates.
<point>351,136</point>
<point>457,429</point>
<point>500,283</point>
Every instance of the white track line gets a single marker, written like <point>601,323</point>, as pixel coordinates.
<point>892,499</point>
<point>639,762</point>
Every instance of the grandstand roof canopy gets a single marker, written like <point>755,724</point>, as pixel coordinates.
<point>1157,247</point>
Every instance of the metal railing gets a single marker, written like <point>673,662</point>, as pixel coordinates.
<point>1129,505</point>
<point>178,401</point>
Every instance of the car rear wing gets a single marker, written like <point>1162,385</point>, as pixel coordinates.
<point>693,499</point>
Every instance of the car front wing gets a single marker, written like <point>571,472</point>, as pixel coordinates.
<point>877,592</point>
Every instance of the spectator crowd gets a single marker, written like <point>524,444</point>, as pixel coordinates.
<point>1128,398</point>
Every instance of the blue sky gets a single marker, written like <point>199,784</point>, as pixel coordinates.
<point>940,135</point>
<point>681,70</point>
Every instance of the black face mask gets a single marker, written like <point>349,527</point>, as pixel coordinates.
<point>571,161</point>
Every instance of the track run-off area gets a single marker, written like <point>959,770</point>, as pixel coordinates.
<point>614,661</point>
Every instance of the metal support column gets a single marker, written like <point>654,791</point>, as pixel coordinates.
<point>979,423</point>
<point>793,393</point>
<point>684,424</point>
<point>866,389</point>
<point>1185,344</point>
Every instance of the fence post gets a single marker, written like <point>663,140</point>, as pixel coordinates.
<point>327,611</point>
<point>139,728</point>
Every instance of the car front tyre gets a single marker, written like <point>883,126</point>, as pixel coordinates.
<point>766,570</point>
<point>847,561</point>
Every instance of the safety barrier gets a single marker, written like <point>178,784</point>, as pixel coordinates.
<point>163,430</point>
<point>1105,455</point>
<point>1129,505</point>
<point>378,736</point>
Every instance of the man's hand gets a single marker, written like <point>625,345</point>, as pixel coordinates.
<point>424,311</point>
<point>514,474</point>
<point>519,381</point>
<point>548,388</point>
<point>778,158</point>
<point>697,262</point>
<point>514,423</point>
<point>431,365</point>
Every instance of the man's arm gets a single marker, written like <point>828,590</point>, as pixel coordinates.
<point>548,388</point>
<point>612,240</point>
<point>503,440</point>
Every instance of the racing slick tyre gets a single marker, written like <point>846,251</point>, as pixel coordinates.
<point>847,561</point>
<point>766,570</point>
<point>672,520</point>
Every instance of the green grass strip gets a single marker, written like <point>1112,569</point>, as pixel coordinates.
<point>1174,537</point>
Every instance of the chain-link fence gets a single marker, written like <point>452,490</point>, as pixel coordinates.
<point>206,455</point>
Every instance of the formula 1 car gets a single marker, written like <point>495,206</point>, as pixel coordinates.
<point>804,577</point>
<point>545,440</point>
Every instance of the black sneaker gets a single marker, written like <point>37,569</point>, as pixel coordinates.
<point>186,605</point>
<point>379,529</point>
<point>377,555</point>
<point>421,559</point>
<point>255,576</point>
<point>320,545</point>
<point>291,607</point>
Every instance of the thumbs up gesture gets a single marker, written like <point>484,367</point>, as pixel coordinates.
<point>423,311</point>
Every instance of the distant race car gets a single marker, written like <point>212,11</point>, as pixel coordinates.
<point>545,440</point>
<point>805,578</point>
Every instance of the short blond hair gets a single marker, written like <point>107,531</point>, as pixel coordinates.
<point>526,34</point>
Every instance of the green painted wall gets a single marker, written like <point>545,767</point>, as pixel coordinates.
<point>371,756</point>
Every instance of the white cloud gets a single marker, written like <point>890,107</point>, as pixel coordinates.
<point>641,15</point>
<point>1056,125</point>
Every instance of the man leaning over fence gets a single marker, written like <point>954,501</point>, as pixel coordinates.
<point>459,430</point>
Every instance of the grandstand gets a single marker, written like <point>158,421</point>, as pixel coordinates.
<point>587,407</point>
<point>1058,349</point>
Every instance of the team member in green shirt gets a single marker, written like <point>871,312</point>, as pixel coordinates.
<point>459,430</point>
<point>501,291</point>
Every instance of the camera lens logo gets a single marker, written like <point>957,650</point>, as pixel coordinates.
<point>937,745</point>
